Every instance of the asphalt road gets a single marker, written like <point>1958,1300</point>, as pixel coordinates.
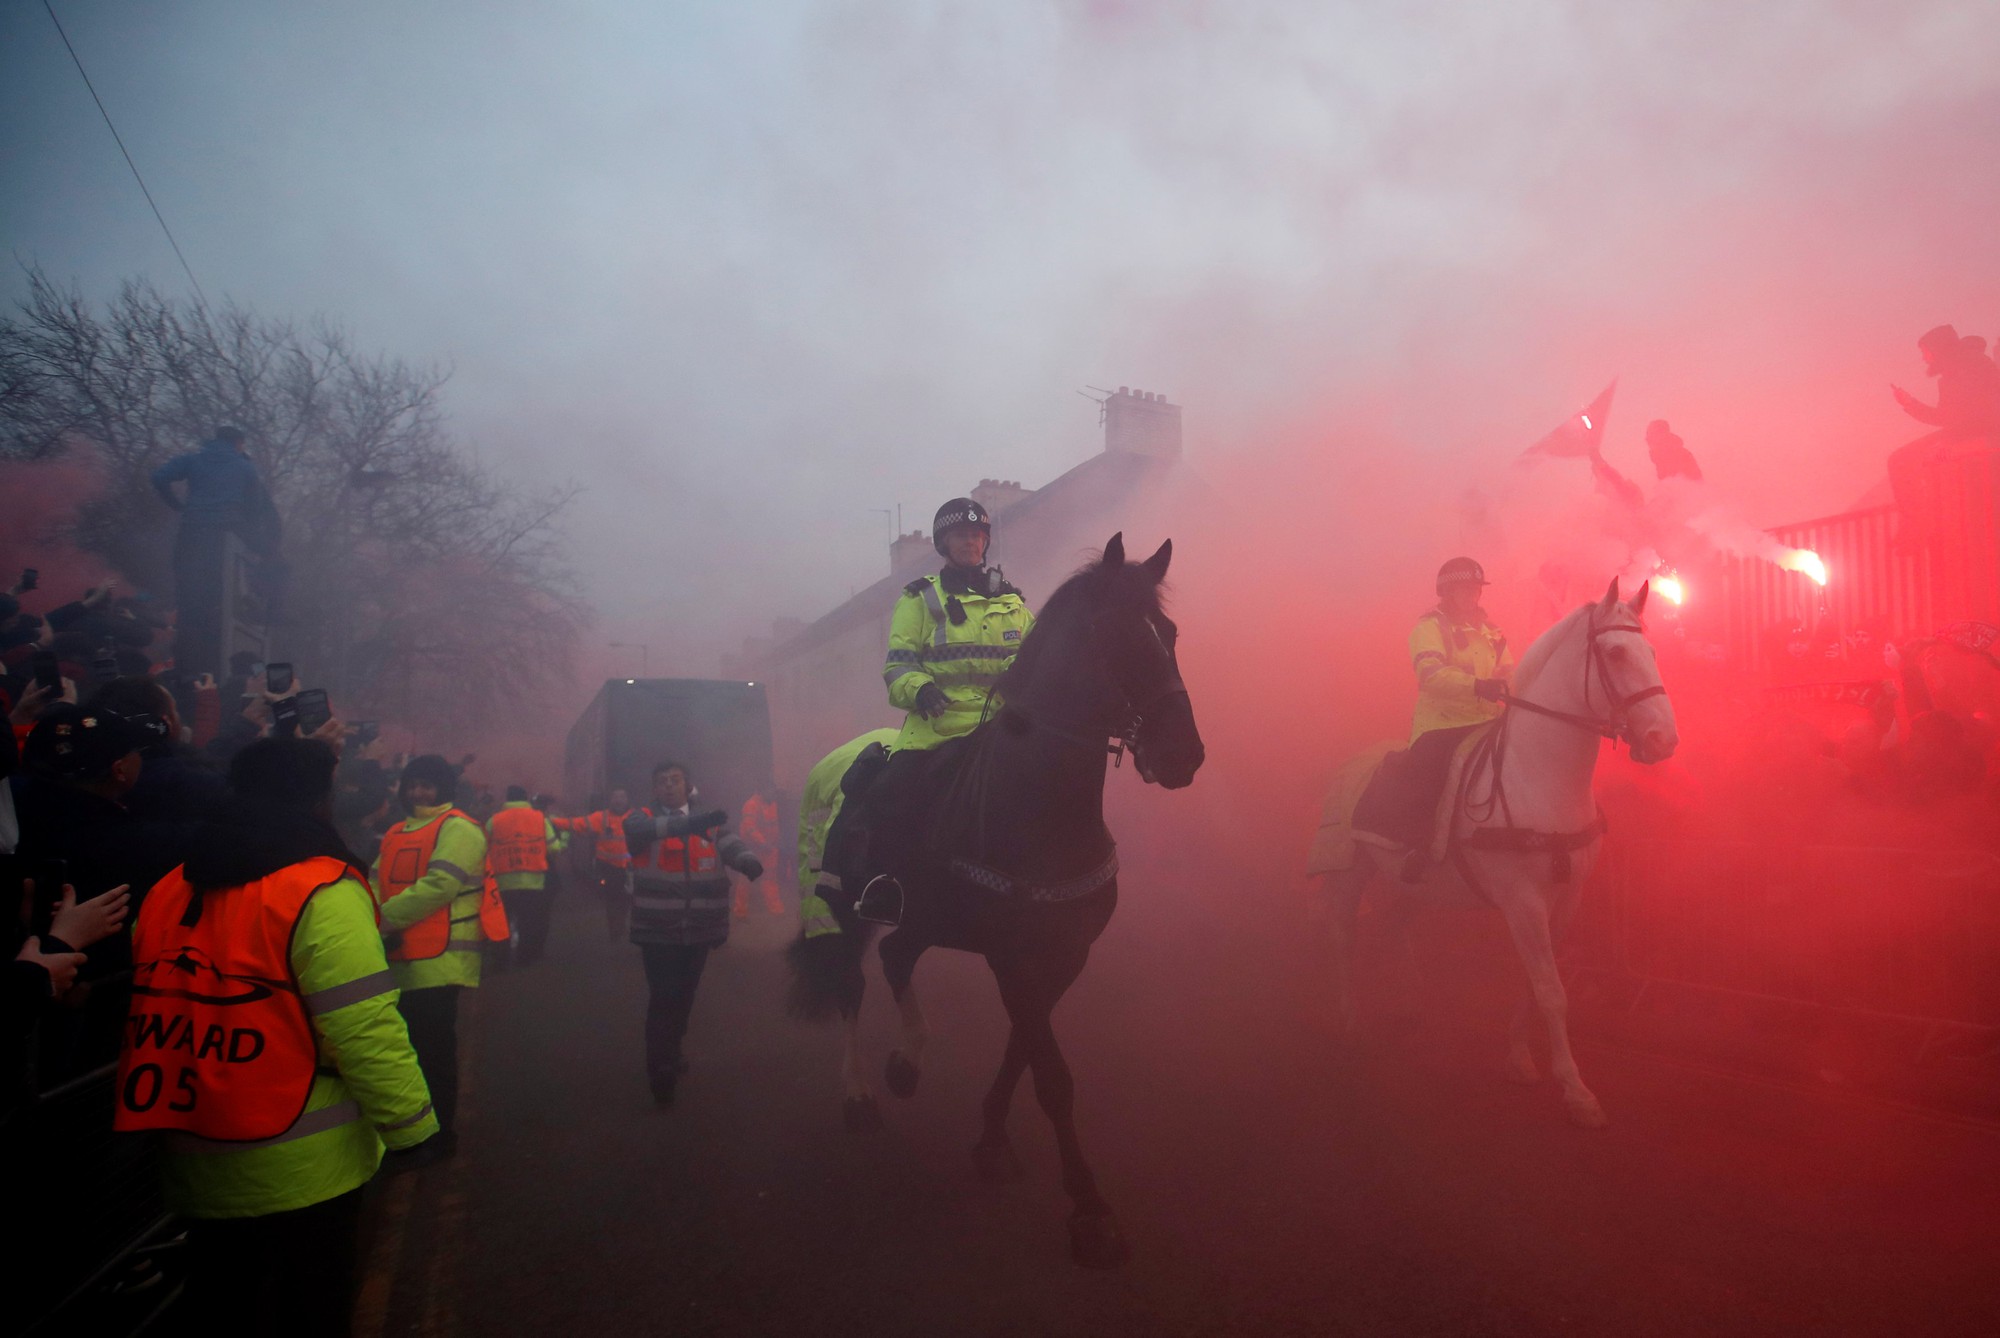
<point>1270,1181</point>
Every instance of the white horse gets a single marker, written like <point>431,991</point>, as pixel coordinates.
<point>1525,830</point>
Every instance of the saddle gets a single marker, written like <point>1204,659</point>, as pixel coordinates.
<point>1397,798</point>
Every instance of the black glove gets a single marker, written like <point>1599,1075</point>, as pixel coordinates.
<point>1489,689</point>
<point>931,701</point>
<point>752,868</point>
<point>430,1152</point>
<point>709,821</point>
<point>392,939</point>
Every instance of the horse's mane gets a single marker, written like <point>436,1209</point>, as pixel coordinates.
<point>1087,588</point>
<point>1538,655</point>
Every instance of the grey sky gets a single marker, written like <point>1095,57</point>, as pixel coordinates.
<point>751,270</point>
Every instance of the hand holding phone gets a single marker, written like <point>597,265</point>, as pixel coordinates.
<point>278,678</point>
<point>48,670</point>
<point>313,709</point>
<point>30,579</point>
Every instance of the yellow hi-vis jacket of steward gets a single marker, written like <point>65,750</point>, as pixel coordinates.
<point>454,877</point>
<point>818,806</point>
<point>501,852</point>
<point>1449,658</point>
<point>366,1090</point>
<point>964,656</point>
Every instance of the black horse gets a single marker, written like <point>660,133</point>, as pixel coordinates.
<point>998,843</point>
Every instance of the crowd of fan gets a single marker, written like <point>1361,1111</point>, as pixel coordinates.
<point>112,767</point>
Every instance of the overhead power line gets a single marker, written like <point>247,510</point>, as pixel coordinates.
<point>78,60</point>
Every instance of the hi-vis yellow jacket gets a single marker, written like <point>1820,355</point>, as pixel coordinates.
<point>455,878</point>
<point>963,654</point>
<point>1449,658</point>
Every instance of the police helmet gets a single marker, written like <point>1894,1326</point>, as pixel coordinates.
<point>1460,569</point>
<point>958,511</point>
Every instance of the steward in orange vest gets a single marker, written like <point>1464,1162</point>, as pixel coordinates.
<point>680,909</point>
<point>265,1046</point>
<point>438,912</point>
<point>611,861</point>
<point>519,840</point>
<point>759,829</point>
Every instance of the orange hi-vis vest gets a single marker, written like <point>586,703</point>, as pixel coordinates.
<point>519,842</point>
<point>405,856</point>
<point>219,1044</point>
<point>685,856</point>
<point>609,829</point>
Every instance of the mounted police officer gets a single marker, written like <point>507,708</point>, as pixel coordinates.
<point>1460,658</point>
<point>950,638</point>
<point>953,632</point>
<point>1463,666</point>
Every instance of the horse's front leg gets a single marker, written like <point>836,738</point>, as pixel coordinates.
<point>899,964</point>
<point>1525,904</point>
<point>993,1154</point>
<point>1030,991</point>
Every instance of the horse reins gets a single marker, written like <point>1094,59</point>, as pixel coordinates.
<point>1614,725</point>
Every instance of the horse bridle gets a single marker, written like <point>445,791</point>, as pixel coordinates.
<point>1118,738</point>
<point>1617,723</point>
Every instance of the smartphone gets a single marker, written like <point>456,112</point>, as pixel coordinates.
<point>313,710</point>
<point>285,717</point>
<point>366,732</point>
<point>49,876</point>
<point>278,678</point>
<point>48,670</point>
<point>30,578</point>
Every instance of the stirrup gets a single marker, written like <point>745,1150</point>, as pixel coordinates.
<point>881,901</point>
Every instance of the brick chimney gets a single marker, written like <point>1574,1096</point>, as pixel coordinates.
<point>911,555</point>
<point>1139,422</point>
<point>996,495</point>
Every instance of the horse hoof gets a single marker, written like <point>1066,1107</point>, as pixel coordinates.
<point>1586,1113</point>
<point>901,1075</point>
<point>997,1164</point>
<point>1096,1242</point>
<point>861,1115</point>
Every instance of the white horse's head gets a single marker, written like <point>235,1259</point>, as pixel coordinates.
<point>1628,675</point>
<point>1597,670</point>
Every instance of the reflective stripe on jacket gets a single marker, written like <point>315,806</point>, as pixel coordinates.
<point>963,656</point>
<point>368,1089</point>
<point>450,891</point>
<point>1449,659</point>
<point>680,884</point>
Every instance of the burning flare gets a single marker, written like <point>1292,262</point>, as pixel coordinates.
<point>1669,588</point>
<point>1805,560</point>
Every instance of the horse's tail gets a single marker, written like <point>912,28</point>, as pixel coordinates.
<point>826,979</point>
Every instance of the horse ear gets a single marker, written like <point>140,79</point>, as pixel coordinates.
<point>1638,601</point>
<point>1610,596</point>
<point>1114,551</point>
<point>1156,565</point>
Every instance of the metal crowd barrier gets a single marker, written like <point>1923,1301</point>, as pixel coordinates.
<point>1905,934</point>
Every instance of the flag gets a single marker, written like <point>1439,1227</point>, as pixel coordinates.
<point>1581,434</point>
